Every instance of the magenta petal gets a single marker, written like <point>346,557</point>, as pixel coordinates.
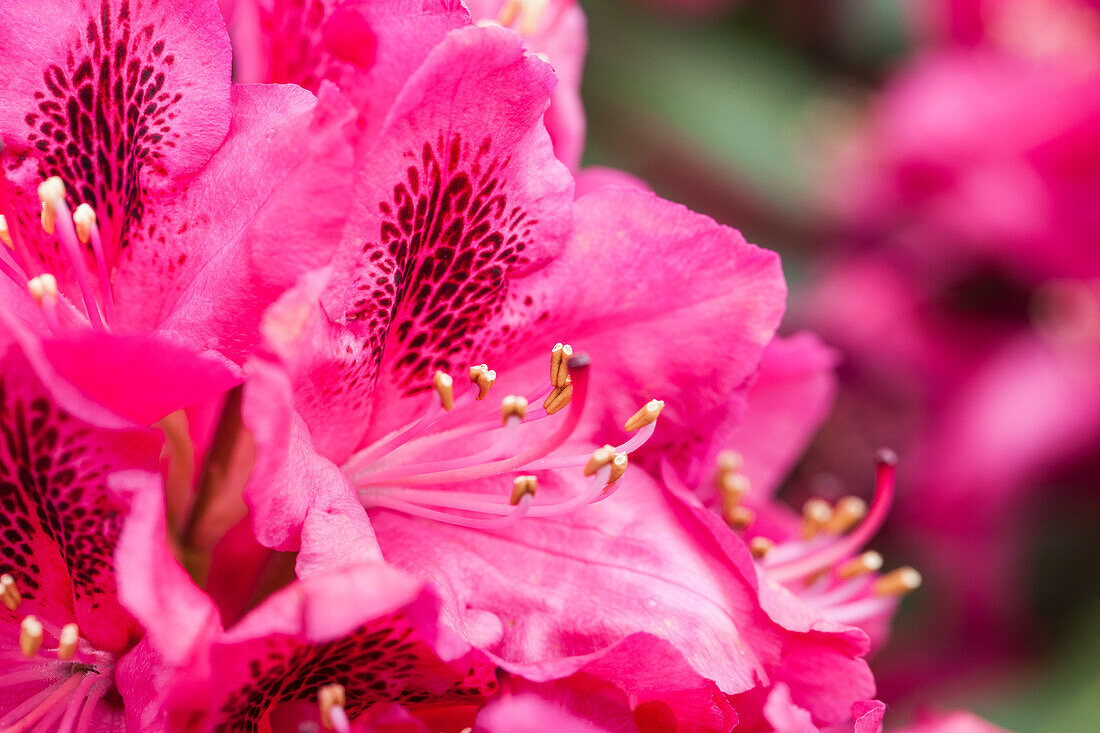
<point>140,377</point>
<point>69,67</point>
<point>528,712</point>
<point>784,715</point>
<point>789,400</point>
<point>468,126</point>
<point>371,628</point>
<point>369,50</point>
<point>668,303</point>
<point>294,491</point>
<point>62,523</point>
<point>179,618</point>
<point>267,207</point>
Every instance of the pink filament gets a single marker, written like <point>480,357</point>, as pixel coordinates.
<point>70,242</point>
<point>42,704</point>
<point>852,542</point>
<point>495,468</point>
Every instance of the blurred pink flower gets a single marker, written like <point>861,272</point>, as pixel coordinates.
<point>127,109</point>
<point>963,294</point>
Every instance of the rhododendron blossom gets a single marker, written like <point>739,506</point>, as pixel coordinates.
<point>333,396</point>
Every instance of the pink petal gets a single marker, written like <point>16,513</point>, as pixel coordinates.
<point>368,50</point>
<point>75,65</point>
<point>61,523</point>
<point>267,207</point>
<point>371,628</point>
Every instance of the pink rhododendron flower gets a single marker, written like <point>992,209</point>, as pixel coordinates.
<point>369,50</point>
<point>69,646</point>
<point>350,639</point>
<point>120,118</point>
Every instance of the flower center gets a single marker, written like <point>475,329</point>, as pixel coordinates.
<point>76,232</point>
<point>824,563</point>
<point>72,675</point>
<point>458,442</point>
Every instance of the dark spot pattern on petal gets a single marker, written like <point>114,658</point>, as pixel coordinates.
<point>382,661</point>
<point>105,116</point>
<point>448,241</point>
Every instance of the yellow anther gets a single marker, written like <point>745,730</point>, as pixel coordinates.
<point>816,513</point>
<point>523,486</point>
<point>732,488</point>
<point>509,12</point>
<point>898,582</point>
<point>5,233</point>
<point>730,461</point>
<point>9,592</point>
<point>330,697</point>
<point>84,219</point>
<point>847,513</point>
<point>760,546</point>
<point>484,378</point>
<point>740,517</point>
<point>30,637</point>
<point>513,406</point>
<point>645,416</point>
<point>868,562</point>
<point>444,387</point>
<point>51,192</point>
<point>600,458</point>
<point>558,398</point>
<point>618,467</point>
<point>67,641</point>
<point>43,288</point>
<point>559,364</point>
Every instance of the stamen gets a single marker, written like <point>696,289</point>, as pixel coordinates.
<point>801,567</point>
<point>558,398</point>
<point>9,592</point>
<point>648,414</point>
<point>87,230</point>
<point>760,546</point>
<point>898,582</point>
<point>30,637</point>
<point>847,514</point>
<point>5,233</point>
<point>332,699</point>
<point>67,641</point>
<point>56,213</point>
<point>740,517</point>
<point>868,562</point>
<point>50,191</point>
<point>523,486</point>
<point>484,378</point>
<point>43,289</point>
<point>509,12</point>
<point>559,364</point>
<point>78,700</point>
<point>816,514</point>
<point>84,219</point>
<point>513,406</point>
<point>618,467</point>
<point>600,458</point>
<point>732,488</point>
<point>444,387</point>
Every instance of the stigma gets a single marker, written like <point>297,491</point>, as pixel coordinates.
<point>434,470</point>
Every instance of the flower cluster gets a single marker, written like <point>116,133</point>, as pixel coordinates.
<point>964,291</point>
<point>338,396</point>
